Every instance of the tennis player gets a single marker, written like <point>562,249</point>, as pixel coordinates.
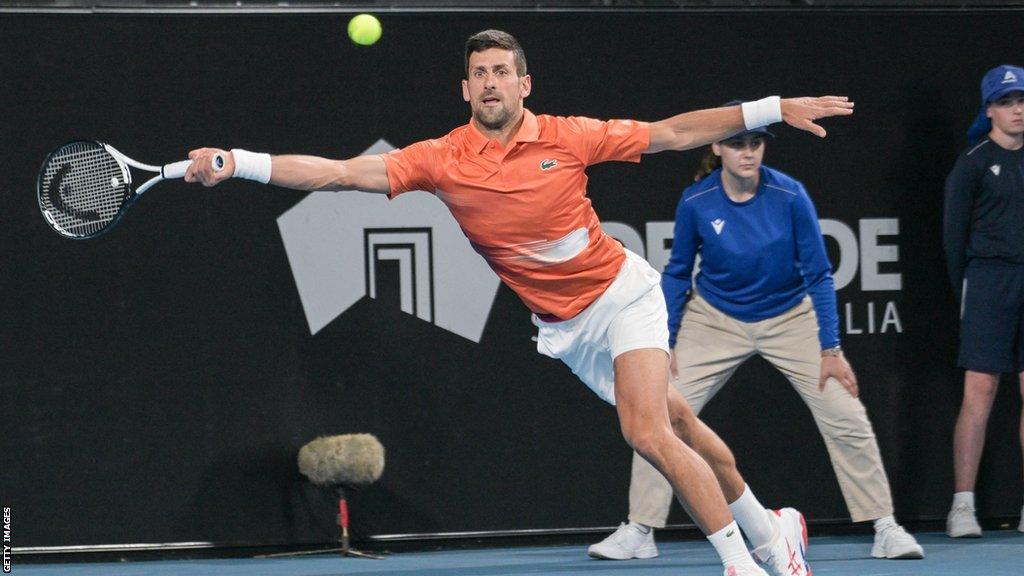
<point>516,184</point>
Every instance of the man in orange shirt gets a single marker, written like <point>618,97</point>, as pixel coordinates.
<point>516,184</point>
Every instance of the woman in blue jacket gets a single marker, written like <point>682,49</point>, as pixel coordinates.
<point>764,287</point>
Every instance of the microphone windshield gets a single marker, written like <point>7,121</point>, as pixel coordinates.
<point>349,459</point>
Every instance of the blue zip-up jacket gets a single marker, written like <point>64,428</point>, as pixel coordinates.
<point>759,258</point>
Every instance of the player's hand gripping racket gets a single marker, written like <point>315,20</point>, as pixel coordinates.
<point>85,187</point>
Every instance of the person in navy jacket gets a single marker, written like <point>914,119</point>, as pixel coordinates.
<point>764,287</point>
<point>983,236</point>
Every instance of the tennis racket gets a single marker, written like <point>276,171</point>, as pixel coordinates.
<point>85,187</point>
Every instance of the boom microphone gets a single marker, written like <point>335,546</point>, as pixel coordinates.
<point>346,460</point>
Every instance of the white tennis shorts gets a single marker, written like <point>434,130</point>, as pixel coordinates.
<point>630,315</point>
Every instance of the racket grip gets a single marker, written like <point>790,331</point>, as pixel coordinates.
<point>177,169</point>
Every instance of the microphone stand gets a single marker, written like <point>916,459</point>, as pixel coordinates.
<point>346,549</point>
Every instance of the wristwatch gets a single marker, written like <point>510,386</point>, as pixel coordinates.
<point>833,351</point>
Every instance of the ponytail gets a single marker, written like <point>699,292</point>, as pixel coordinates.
<point>708,164</point>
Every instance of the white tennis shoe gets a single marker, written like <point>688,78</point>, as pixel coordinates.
<point>786,553</point>
<point>627,542</point>
<point>962,523</point>
<point>893,542</point>
<point>744,570</point>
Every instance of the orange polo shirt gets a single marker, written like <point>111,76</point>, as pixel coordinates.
<point>524,207</point>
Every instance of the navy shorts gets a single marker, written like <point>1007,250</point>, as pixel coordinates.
<point>992,318</point>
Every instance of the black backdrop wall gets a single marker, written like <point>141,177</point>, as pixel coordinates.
<point>158,382</point>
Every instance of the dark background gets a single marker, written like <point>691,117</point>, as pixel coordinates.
<point>158,382</point>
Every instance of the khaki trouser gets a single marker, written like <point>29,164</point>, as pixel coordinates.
<point>711,345</point>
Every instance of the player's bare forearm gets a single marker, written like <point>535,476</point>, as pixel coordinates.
<point>695,129</point>
<point>364,173</point>
<point>702,127</point>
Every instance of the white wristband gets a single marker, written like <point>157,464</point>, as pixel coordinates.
<point>251,165</point>
<point>762,112</point>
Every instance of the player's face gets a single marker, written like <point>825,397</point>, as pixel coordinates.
<point>494,89</point>
<point>741,157</point>
<point>1007,114</point>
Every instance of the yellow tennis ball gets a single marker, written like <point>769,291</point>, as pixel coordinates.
<point>364,29</point>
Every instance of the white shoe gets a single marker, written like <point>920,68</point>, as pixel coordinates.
<point>893,542</point>
<point>961,523</point>
<point>786,554</point>
<point>744,570</point>
<point>625,543</point>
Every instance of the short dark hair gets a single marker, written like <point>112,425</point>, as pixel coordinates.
<point>497,39</point>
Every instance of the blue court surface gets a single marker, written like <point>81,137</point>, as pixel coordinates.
<point>999,552</point>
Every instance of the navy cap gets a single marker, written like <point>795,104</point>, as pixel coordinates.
<point>998,82</point>
<point>761,130</point>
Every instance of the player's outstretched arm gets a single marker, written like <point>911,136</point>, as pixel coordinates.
<point>702,127</point>
<point>365,173</point>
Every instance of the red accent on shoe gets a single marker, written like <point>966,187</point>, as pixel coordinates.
<point>803,525</point>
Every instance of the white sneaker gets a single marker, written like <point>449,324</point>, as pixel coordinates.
<point>744,570</point>
<point>786,554</point>
<point>893,542</point>
<point>961,523</point>
<point>625,543</point>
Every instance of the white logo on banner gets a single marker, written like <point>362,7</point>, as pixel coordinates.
<point>718,224</point>
<point>995,168</point>
<point>334,241</point>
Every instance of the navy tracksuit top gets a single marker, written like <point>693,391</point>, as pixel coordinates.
<point>984,210</point>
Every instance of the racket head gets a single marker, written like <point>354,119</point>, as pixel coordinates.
<point>83,189</point>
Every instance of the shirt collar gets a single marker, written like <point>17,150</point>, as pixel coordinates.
<point>528,131</point>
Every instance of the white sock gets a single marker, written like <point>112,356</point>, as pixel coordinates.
<point>964,498</point>
<point>731,548</point>
<point>752,518</point>
<point>885,522</point>
<point>644,528</point>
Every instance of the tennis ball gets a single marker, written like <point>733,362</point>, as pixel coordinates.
<point>364,29</point>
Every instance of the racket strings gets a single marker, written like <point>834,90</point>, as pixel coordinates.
<point>83,188</point>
